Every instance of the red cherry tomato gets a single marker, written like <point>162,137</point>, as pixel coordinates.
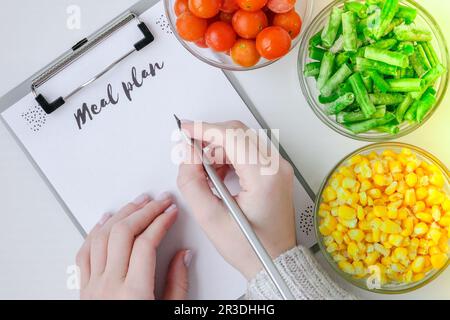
<point>273,42</point>
<point>220,36</point>
<point>249,24</point>
<point>289,21</point>
<point>281,6</point>
<point>190,27</point>
<point>201,43</point>
<point>205,8</point>
<point>180,7</point>
<point>229,6</point>
<point>251,5</point>
<point>244,53</point>
<point>226,17</point>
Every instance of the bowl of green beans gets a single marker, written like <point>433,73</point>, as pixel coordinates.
<point>373,70</point>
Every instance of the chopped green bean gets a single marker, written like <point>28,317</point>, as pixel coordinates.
<point>411,113</point>
<point>385,44</point>
<point>408,33</point>
<point>390,57</point>
<point>389,128</point>
<point>312,69</point>
<point>407,47</point>
<point>361,94</point>
<point>425,104</point>
<point>417,62</point>
<point>357,116</point>
<point>330,32</point>
<point>403,107</point>
<point>326,69</point>
<point>367,125</point>
<point>349,31</point>
<point>407,13</point>
<point>367,79</point>
<point>335,80</point>
<point>340,104</point>
<point>316,40</point>
<point>379,81</point>
<point>387,14</point>
<point>356,7</point>
<point>430,53</point>
<point>363,64</point>
<point>388,99</point>
<point>316,53</point>
<point>404,85</point>
<point>325,100</point>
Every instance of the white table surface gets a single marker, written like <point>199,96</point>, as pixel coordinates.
<point>38,241</point>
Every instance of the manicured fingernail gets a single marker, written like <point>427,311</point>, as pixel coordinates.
<point>163,196</point>
<point>141,199</point>
<point>187,258</point>
<point>104,218</point>
<point>172,207</point>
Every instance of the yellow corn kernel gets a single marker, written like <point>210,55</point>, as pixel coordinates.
<point>421,193</point>
<point>365,185</point>
<point>355,160</point>
<point>390,190</point>
<point>392,213</point>
<point>341,228</point>
<point>324,213</point>
<point>353,199</point>
<point>348,183</point>
<point>329,194</point>
<point>376,223</point>
<point>381,249</point>
<point>434,251</point>
<point>366,172</point>
<point>338,257</point>
<point>395,167</point>
<point>438,261</point>
<point>437,179</point>
<point>346,213</point>
<point>328,225</point>
<point>364,225</point>
<point>360,271</point>
<point>420,229</point>
<point>419,206</point>
<point>408,227</point>
<point>411,179</point>
<point>395,239</point>
<point>338,236</point>
<point>410,197</point>
<point>445,221</point>
<point>356,235</point>
<point>434,235</point>
<point>402,187</point>
<point>380,180</point>
<point>372,258</point>
<point>424,181</point>
<point>418,264</point>
<point>352,249</point>
<point>360,214</point>
<point>380,211</point>
<point>417,277</point>
<point>435,197</point>
<point>389,226</point>
<point>411,166</point>
<point>446,205</point>
<point>332,247</point>
<point>403,213</point>
<point>346,266</point>
<point>375,193</point>
<point>349,223</point>
<point>423,216</point>
<point>436,213</point>
<point>443,243</point>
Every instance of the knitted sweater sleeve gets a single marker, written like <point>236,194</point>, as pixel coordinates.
<point>304,276</point>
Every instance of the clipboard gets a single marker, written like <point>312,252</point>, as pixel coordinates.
<point>33,83</point>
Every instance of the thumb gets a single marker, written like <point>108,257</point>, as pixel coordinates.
<point>177,284</point>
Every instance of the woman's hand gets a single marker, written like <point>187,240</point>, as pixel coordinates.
<point>266,197</point>
<point>118,258</point>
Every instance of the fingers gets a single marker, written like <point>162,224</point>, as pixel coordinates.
<point>124,233</point>
<point>177,284</point>
<point>83,259</point>
<point>143,257</point>
<point>193,184</point>
<point>241,145</point>
<point>99,244</point>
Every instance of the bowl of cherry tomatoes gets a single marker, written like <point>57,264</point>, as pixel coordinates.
<point>238,34</point>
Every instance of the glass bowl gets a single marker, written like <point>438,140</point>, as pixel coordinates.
<point>308,85</point>
<point>223,61</point>
<point>389,288</point>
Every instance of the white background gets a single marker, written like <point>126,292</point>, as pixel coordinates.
<point>38,241</point>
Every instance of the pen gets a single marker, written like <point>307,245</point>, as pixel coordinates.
<point>240,219</point>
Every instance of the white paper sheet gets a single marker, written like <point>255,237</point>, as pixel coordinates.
<point>126,149</point>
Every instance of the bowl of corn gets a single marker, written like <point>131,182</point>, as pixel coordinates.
<point>382,218</point>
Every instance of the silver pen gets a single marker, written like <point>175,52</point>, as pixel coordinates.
<point>240,219</point>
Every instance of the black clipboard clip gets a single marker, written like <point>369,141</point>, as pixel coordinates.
<point>81,48</point>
